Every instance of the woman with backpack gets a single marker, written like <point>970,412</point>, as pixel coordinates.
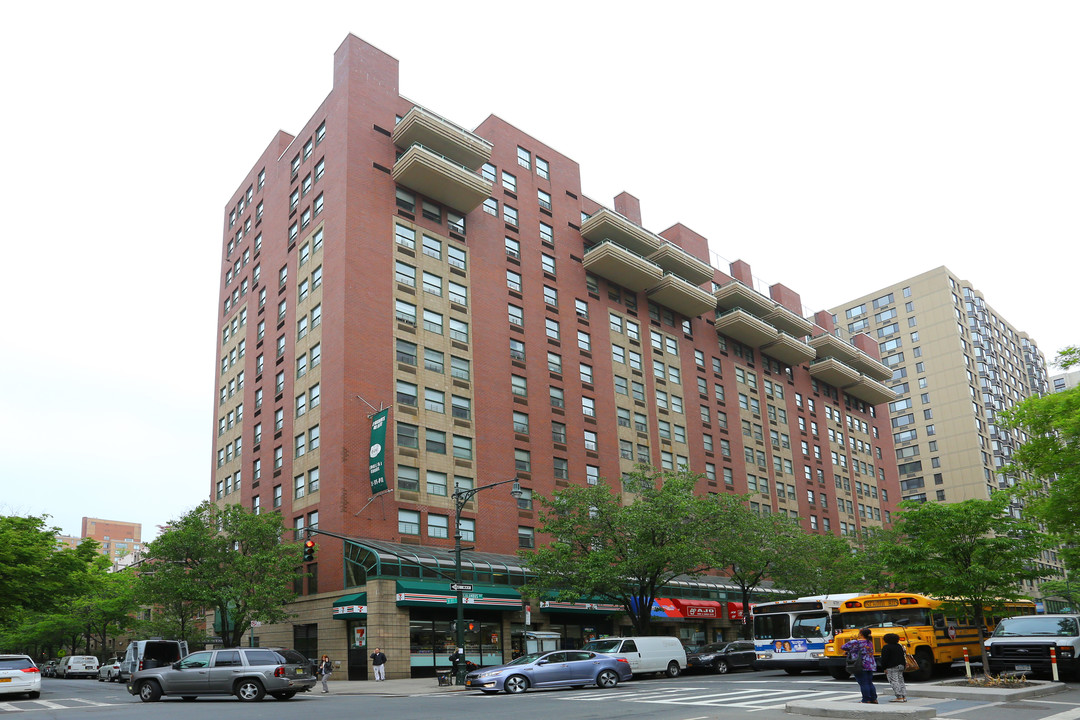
<point>861,664</point>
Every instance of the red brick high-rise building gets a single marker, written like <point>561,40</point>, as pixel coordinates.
<point>384,257</point>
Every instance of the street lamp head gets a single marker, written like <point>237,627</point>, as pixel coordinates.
<point>515,489</point>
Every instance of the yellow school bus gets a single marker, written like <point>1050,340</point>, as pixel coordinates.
<point>934,636</point>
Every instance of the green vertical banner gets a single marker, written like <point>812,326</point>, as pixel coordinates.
<point>377,467</point>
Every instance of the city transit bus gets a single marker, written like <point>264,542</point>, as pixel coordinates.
<point>927,630</point>
<point>790,635</point>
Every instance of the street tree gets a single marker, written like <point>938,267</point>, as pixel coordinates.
<point>823,564</point>
<point>975,553</point>
<point>234,561</point>
<point>752,547</point>
<point>621,545</point>
<point>1051,456</point>
<point>1067,591</point>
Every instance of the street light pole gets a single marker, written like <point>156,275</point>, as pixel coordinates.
<point>461,497</point>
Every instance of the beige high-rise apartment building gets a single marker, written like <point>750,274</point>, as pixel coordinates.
<point>117,538</point>
<point>957,363</point>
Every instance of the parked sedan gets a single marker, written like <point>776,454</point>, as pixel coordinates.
<point>109,670</point>
<point>722,656</point>
<point>19,674</point>
<point>562,668</point>
<point>248,673</point>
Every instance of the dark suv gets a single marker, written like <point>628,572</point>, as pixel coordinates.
<point>722,656</point>
<point>248,673</point>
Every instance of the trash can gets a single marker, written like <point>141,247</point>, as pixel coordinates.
<point>444,678</point>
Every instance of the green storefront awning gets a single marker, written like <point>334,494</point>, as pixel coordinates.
<point>351,606</point>
<point>431,593</point>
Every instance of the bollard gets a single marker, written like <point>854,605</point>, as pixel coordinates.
<point>1053,663</point>
<point>967,663</point>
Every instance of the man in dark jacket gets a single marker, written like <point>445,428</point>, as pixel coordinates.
<point>378,664</point>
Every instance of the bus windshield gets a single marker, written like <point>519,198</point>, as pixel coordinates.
<point>892,617</point>
<point>771,627</point>
<point>811,626</point>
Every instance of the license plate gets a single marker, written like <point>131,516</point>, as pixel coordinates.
<point>468,682</point>
<point>299,671</point>
<point>5,679</point>
<point>1022,668</point>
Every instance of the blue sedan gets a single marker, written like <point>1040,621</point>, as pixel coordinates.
<point>562,668</point>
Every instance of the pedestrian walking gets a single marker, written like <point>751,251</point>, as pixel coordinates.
<point>892,659</point>
<point>861,664</point>
<point>378,664</point>
<point>326,669</point>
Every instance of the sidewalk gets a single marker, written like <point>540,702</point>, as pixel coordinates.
<point>406,686</point>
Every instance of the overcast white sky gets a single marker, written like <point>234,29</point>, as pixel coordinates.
<point>835,146</point>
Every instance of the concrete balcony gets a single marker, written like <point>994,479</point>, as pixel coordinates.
<point>789,322</point>
<point>675,260</point>
<point>614,262</point>
<point>437,177</point>
<point>746,328</point>
<point>870,391</point>
<point>828,345</point>
<point>870,367</point>
<point>423,127</point>
<point>607,224</point>
<point>834,372</point>
<point>682,297</point>
<point>790,350</point>
<point>736,295</point>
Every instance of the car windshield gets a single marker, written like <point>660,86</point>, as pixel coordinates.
<point>527,659</point>
<point>292,656</point>
<point>15,663</point>
<point>1046,626</point>
<point>604,646</point>
<point>713,647</point>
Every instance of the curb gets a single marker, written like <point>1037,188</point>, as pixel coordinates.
<point>957,690</point>
<point>858,710</point>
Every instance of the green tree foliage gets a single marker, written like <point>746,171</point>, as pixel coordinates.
<point>973,552</point>
<point>1052,452</point>
<point>1066,590</point>
<point>752,547</point>
<point>622,547</point>
<point>820,565</point>
<point>232,561</point>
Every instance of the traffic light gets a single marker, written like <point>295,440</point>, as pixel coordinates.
<point>309,550</point>
<point>470,626</point>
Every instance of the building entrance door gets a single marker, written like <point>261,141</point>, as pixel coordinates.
<point>358,654</point>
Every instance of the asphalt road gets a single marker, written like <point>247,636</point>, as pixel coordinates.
<point>736,696</point>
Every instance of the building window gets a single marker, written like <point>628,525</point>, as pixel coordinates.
<point>408,522</point>
<point>438,526</point>
<point>524,158</point>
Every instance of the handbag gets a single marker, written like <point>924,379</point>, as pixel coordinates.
<point>854,660</point>
<point>910,663</point>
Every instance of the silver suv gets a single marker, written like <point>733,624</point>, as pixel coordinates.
<point>248,673</point>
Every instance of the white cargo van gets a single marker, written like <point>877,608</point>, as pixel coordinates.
<point>144,654</point>
<point>659,654</point>
<point>1023,645</point>
<point>78,666</point>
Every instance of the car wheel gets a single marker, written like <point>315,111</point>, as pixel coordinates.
<point>516,684</point>
<point>838,673</point>
<point>673,669</point>
<point>607,679</point>
<point>187,698</point>
<point>33,695</point>
<point>720,667</point>
<point>149,691</point>
<point>283,695</point>
<point>249,690</point>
